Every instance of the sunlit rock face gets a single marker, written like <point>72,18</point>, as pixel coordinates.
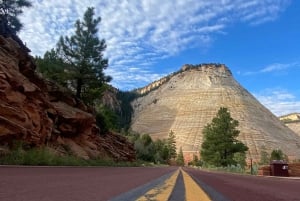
<point>292,121</point>
<point>189,99</point>
<point>295,126</point>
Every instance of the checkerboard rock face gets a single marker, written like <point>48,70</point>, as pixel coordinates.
<point>186,101</point>
<point>292,121</point>
<point>295,126</point>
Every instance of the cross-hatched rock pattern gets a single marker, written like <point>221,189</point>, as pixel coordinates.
<point>292,121</point>
<point>189,99</point>
<point>295,126</point>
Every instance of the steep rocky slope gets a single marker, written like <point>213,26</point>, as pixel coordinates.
<point>40,113</point>
<point>292,121</point>
<point>186,101</point>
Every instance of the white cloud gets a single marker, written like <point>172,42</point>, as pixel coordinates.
<point>132,78</point>
<point>275,67</point>
<point>279,101</point>
<point>140,33</point>
<point>279,67</point>
<point>256,12</point>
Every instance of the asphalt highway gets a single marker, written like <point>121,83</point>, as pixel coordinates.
<point>139,183</point>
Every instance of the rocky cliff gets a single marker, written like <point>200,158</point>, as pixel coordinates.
<point>40,113</point>
<point>190,98</point>
<point>292,121</point>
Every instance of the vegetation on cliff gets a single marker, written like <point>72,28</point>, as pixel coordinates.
<point>45,116</point>
<point>77,62</point>
<point>81,71</point>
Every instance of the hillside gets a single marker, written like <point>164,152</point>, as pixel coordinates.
<point>40,113</point>
<point>186,101</point>
<point>292,121</point>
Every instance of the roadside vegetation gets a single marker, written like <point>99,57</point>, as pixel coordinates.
<point>160,151</point>
<point>276,154</point>
<point>45,156</point>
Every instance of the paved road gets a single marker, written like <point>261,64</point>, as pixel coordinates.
<point>121,184</point>
<point>248,188</point>
<point>72,184</point>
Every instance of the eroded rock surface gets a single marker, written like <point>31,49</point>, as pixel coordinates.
<point>189,99</point>
<point>295,126</point>
<point>292,121</point>
<point>40,113</point>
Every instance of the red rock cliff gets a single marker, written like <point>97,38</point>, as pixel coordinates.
<point>40,113</point>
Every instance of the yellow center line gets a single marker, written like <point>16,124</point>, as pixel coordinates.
<point>161,192</point>
<point>192,190</point>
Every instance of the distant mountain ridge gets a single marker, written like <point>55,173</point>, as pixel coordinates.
<point>187,100</point>
<point>290,117</point>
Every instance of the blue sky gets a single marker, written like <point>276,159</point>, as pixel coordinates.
<point>259,40</point>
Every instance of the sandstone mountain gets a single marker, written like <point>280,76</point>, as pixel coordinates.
<point>187,100</point>
<point>292,121</point>
<point>41,113</point>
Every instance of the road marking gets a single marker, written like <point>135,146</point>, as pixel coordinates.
<point>192,190</point>
<point>161,192</point>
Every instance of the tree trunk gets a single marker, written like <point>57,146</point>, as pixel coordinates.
<point>79,87</point>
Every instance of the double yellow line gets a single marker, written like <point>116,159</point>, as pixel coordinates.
<point>162,192</point>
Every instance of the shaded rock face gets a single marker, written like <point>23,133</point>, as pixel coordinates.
<point>190,99</point>
<point>39,112</point>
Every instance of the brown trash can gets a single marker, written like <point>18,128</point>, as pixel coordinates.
<point>279,168</point>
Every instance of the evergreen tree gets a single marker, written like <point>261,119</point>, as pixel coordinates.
<point>83,51</point>
<point>240,159</point>
<point>220,143</point>
<point>52,67</point>
<point>9,12</point>
<point>161,151</point>
<point>172,145</point>
<point>180,158</point>
<point>144,147</point>
<point>277,154</point>
<point>264,156</point>
<point>195,161</point>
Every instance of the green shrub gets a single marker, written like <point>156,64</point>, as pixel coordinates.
<point>45,157</point>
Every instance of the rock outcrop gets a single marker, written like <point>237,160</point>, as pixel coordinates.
<point>292,121</point>
<point>40,113</point>
<point>189,100</point>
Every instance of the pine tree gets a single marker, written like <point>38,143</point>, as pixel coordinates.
<point>172,145</point>
<point>180,158</point>
<point>9,12</point>
<point>277,154</point>
<point>52,67</point>
<point>220,143</point>
<point>83,51</point>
